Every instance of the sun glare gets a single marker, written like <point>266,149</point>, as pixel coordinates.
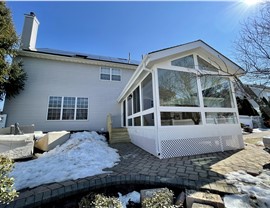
<point>252,2</point>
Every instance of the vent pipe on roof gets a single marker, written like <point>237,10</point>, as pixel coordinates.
<point>129,57</point>
<point>30,30</point>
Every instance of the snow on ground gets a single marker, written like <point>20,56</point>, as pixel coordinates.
<point>237,201</point>
<point>255,190</point>
<point>133,196</point>
<point>84,154</point>
<point>258,130</point>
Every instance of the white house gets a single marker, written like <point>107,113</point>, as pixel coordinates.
<point>177,101</point>
<point>67,90</point>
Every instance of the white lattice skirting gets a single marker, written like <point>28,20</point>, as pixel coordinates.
<point>195,146</point>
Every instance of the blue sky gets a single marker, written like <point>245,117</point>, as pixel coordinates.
<point>117,28</point>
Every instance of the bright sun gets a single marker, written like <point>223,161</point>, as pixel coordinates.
<point>252,2</point>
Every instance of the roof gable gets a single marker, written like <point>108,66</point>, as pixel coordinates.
<point>197,47</point>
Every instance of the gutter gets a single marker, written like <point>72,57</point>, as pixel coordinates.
<point>74,59</point>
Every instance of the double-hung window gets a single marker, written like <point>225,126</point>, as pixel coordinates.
<point>110,74</point>
<point>67,108</point>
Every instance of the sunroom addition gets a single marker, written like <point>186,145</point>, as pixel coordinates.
<point>181,101</point>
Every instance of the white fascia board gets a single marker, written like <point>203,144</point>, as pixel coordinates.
<point>236,69</point>
<point>33,54</point>
<point>134,77</point>
<point>156,56</point>
<point>193,46</point>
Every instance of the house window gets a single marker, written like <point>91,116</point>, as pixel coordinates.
<point>116,76</point>
<point>105,73</point>
<point>220,118</point>
<point>54,111</point>
<point>180,118</point>
<point>147,92</point>
<point>67,108</point>
<point>112,74</point>
<point>216,92</point>
<point>148,120</point>
<point>177,88</point>
<point>82,108</point>
<point>136,100</point>
<point>187,62</point>
<point>129,103</point>
<point>130,122</point>
<point>137,121</point>
<point>204,65</point>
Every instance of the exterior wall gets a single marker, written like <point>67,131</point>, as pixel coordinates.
<point>55,78</point>
<point>178,141</point>
<point>145,138</point>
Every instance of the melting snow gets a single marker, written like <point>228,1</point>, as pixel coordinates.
<point>133,196</point>
<point>84,154</point>
<point>234,201</point>
<point>256,190</point>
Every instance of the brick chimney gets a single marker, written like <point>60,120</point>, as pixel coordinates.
<point>30,30</point>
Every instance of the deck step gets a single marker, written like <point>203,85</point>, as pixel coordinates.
<point>119,135</point>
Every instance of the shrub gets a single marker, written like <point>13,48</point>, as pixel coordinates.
<point>160,199</point>
<point>99,201</point>
<point>7,192</point>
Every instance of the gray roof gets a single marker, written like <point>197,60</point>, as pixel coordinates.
<point>85,56</point>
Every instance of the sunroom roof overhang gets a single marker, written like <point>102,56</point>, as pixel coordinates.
<point>199,47</point>
<point>138,75</point>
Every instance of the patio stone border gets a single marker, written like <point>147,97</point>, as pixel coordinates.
<point>51,192</point>
<point>199,172</point>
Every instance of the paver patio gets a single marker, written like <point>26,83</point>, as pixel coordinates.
<point>201,172</point>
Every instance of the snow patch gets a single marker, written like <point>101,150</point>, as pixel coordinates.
<point>133,196</point>
<point>257,188</point>
<point>260,143</point>
<point>233,201</point>
<point>84,154</point>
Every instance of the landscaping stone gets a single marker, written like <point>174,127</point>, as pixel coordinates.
<point>253,172</point>
<point>198,205</point>
<point>180,199</point>
<point>203,198</point>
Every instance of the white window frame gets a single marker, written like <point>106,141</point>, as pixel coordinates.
<point>110,74</point>
<point>62,108</point>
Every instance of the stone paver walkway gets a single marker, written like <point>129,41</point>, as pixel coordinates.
<point>201,172</point>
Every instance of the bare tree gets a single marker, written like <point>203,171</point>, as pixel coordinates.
<point>253,53</point>
<point>253,46</point>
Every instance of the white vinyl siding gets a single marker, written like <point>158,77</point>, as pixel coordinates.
<point>66,79</point>
<point>110,74</point>
<point>67,108</point>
